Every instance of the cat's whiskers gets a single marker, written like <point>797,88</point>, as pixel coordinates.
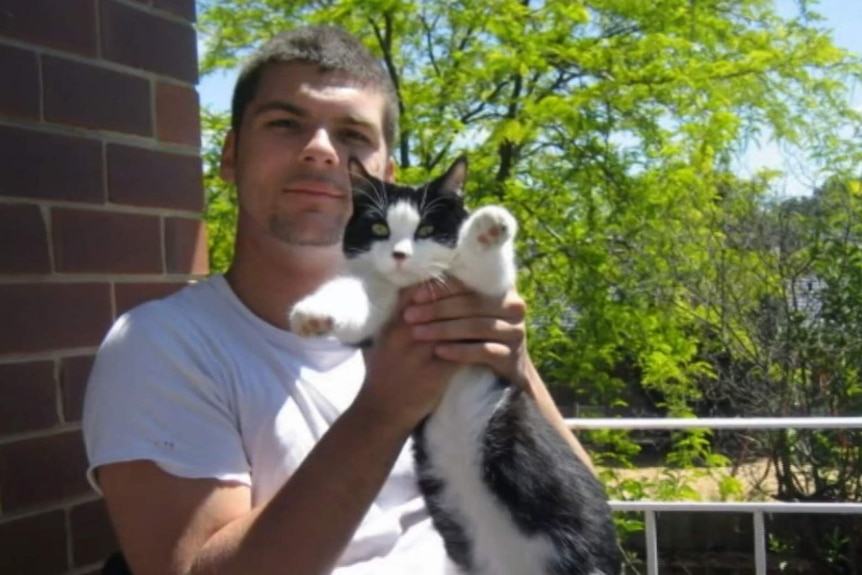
<point>424,197</point>
<point>433,205</point>
<point>438,278</point>
<point>378,200</point>
<point>348,251</point>
<point>378,205</point>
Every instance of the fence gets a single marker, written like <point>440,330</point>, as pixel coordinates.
<point>757,510</point>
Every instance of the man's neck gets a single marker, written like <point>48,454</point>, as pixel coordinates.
<point>270,277</point>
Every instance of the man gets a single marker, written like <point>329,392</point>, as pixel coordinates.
<point>225,444</point>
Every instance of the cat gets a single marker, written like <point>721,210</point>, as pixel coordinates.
<point>503,488</point>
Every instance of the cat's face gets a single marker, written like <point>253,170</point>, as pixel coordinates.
<point>405,234</point>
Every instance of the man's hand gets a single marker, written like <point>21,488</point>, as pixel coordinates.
<point>467,327</point>
<point>405,378</point>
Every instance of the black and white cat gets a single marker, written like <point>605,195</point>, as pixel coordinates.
<point>504,489</point>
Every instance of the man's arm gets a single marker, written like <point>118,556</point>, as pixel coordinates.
<point>549,409</point>
<point>172,526</point>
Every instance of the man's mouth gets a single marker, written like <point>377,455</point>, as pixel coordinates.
<point>316,188</point>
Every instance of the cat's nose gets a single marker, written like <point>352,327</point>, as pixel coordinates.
<point>399,256</point>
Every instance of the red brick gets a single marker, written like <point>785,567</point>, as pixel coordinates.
<point>177,115</point>
<point>76,167</point>
<point>34,545</point>
<point>183,8</point>
<point>74,372</point>
<point>186,246</point>
<point>140,177</point>
<point>93,97</point>
<point>29,397</point>
<point>23,240</point>
<point>105,242</point>
<point>20,94</point>
<point>129,295</point>
<point>142,40</point>
<point>52,316</point>
<point>93,536</point>
<point>42,471</point>
<point>69,25</point>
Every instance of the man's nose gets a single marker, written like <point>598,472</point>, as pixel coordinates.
<point>319,149</point>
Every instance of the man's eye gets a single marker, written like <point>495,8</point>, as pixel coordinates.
<point>425,231</point>
<point>380,230</point>
<point>356,135</point>
<point>283,123</point>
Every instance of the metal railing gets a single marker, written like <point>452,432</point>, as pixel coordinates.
<point>757,510</point>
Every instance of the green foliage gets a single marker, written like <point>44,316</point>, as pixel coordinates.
<point>221,211</point>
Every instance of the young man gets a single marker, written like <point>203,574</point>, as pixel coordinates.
<point>225,444</point>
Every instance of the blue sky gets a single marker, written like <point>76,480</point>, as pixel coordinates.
<point>843,17</point>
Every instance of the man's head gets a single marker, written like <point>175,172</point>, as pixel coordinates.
<point>306,102</point>
<point>329,48</point>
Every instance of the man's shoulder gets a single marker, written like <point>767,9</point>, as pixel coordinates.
<point>197,307</point>
<point>202,298</point>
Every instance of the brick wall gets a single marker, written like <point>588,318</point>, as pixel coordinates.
<point>100,200</point>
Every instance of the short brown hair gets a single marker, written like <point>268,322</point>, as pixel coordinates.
<point>332,49</point>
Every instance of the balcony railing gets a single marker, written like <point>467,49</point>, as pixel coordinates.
<point>757,510</point>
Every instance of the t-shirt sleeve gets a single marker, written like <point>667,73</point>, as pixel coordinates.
<point>152,395</point>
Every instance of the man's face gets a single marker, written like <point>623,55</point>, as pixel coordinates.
<point>289,161</point>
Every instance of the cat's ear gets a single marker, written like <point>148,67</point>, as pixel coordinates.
<point>452,181</point>
<point>357,170</point>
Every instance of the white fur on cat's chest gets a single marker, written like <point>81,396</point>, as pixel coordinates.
<point>454,438</point>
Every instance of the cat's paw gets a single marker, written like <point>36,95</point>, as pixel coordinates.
<point>306,320</point>
<point>491,226</point>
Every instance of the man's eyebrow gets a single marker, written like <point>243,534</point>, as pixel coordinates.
<point>357,121</point>
<point>350,119</point>
<point>279,106</point>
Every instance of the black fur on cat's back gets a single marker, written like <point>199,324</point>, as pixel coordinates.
<point>541,482</point>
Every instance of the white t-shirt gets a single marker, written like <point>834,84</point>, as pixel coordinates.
<point>205,389</point>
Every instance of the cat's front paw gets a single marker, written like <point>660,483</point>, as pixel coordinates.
<point>306,320</point>
<point>491,226</point>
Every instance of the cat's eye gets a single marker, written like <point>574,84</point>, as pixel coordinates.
<point>425,231</point>
<point>380,230</point>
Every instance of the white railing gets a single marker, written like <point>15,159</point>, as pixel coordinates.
<point>756,509</point>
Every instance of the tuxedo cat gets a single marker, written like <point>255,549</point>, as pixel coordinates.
<point>504,489</point>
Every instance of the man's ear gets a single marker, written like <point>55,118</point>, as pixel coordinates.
<point>227,166</point>
<point>390,171</point>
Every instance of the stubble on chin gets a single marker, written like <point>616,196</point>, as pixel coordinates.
<point>305,233</point>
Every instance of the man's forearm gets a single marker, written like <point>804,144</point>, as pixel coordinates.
<point>309,522</point>
<point>548,407</point>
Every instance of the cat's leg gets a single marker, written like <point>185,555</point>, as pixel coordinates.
<point>340,307</point>
<point>485,260</point>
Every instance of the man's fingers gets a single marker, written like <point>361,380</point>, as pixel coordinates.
<point>511,308</point>
<point>500,358</point>
<point>494,355</point>
<point>477,328</point>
